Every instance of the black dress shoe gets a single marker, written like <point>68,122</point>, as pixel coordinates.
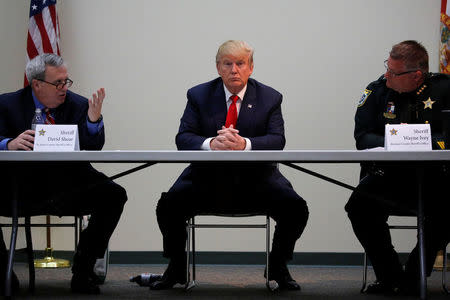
<point>288,284</point>
<point>83,284</point>
<point>96,279</point>
<point>165,283</point>
<point>175,273</point>
<point>380,287</point>
<point>281,275</point>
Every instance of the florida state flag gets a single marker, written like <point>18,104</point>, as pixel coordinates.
<point>444,56</point>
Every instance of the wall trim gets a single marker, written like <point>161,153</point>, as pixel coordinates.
<point>227,258</point>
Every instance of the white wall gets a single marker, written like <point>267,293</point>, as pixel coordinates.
<point>320,54</point>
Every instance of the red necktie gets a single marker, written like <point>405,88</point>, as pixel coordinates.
<point>48,117</point>
<point>232,113</point>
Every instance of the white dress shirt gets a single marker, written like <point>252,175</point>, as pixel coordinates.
<point>248,145</point>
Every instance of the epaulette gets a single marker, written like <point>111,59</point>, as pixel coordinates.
<point>437,75</point>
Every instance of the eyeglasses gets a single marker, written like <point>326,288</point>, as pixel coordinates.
<point>396,74</point>
<point>60,84</point>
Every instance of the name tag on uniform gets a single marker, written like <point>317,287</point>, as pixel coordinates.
<point>56,138</point>
<point>407,137</point>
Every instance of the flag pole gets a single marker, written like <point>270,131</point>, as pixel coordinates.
<point>444,67</point>
<point>49,261</point>
<point>43,37</point>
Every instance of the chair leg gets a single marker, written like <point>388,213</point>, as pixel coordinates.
<point>12,244</point>
<point>188,253</point>
<point>12,248</point>
<point>193,251</point>
<point>30,255</point>
<point>189,229</point>
<point>364,274</point>
<point>267,251</point>
<point>190,244</point>
<point>444,272</point>
<point>77,226</point>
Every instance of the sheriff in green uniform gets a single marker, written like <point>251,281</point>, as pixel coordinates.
<point>406,93</point>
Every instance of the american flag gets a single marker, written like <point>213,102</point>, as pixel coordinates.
<point>43,29</point>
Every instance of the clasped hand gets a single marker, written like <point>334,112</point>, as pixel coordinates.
<point>228,139</point>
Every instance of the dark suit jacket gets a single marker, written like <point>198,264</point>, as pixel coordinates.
<point>259,120</point>
<point>17,111</point>
<point>42,184</point>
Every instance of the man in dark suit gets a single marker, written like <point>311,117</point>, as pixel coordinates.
<point>232,112</point>
<point>59,188</point>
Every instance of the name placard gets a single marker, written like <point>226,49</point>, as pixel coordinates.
<point>56,138</point>
<point>407,137</point>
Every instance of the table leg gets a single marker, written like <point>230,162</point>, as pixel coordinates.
<point>421,234</point>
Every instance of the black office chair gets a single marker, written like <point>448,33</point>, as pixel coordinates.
<point>191,239</point>
<point>444,268</point>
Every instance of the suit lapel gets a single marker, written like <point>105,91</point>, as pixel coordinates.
<point>28,108</point>
<point>248,108</point>
<point>62,111</point>
<point>219,106</point>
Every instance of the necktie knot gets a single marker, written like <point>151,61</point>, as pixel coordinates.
<point>234,98</point>
<point>48,116</point>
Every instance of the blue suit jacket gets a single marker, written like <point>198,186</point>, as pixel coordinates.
<point>52,179</point>
<point>260,120</point>
<point>17,111</point>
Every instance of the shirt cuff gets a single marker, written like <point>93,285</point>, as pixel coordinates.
<point>4,144</point>
<point>206,144</point>
<point>248,144</point>
<point>94,128</point>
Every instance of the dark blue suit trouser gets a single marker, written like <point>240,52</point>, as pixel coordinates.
<point>69,189</point>
<point>398,196</point>
<point>249,191</point>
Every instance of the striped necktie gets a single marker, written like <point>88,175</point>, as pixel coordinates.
<point>48,117</point>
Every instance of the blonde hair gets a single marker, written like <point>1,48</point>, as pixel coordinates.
<point>235,47</point>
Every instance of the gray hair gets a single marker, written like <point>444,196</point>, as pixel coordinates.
<point>235,47</point>
<point>35,68</point>
<point>412,53</point>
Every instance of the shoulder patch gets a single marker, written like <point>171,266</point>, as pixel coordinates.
<point>364,97</point>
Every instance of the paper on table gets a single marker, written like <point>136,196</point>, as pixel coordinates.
<point>375,149</point>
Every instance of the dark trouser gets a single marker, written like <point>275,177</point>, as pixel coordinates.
<point>248,193</point>
<point>398,196</point>
<point>72,189</point>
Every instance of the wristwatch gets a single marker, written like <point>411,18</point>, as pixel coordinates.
<point>98,121</point>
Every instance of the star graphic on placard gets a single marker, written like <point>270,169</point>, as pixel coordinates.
<point>429,103</point>
<point>42,132</point>
<point>393,131</point>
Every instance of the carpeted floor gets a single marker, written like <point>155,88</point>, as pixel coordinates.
<point>215,282</point>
